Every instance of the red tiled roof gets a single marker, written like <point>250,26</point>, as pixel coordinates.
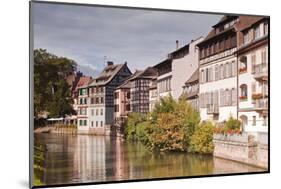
<point>83,81</point>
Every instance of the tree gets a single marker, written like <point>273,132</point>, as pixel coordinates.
<point>51,92</point>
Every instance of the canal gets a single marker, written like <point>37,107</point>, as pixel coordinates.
<point>88,158</point>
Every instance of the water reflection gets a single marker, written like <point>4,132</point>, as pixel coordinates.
<point>84,158</point>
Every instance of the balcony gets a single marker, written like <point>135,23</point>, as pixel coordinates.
<point>261,105</point>
<point>260,71</point>
<point>212,109</point>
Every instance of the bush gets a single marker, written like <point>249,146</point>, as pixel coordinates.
<point>143,132</point>
<point>173,124</point>
<point>231,126</point>
<point>131,124</point>
<point>202,140</point>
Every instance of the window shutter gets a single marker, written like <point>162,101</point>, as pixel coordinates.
<point>234,68</point>
<point>221,97</point>
<point>253,59</point>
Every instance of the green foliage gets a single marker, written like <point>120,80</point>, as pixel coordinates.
<point>131,124</point>
<point>165,105</point>
<point>169,127</point>
<point>230,127</point>
<point>233,124</point>
<point>202,140</point>
<point>51,92</point>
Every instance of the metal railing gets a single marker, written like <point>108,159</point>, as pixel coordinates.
<point>261,104</point>
<point>260,70</point>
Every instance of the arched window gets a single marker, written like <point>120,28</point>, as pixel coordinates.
<point>244,120</point>
<point>243,64</point>
<point>243,92</point>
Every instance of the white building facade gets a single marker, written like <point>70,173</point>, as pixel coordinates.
<point>253,77</point>
<point>218,72</point>
<point>173,71</point>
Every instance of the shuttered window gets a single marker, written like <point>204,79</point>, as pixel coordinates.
<point>253,62</point>
<point>234,68</point>
<point>234,96</point>
<point>263,56</point>
<point>216,72</point>
<point>221,71</point>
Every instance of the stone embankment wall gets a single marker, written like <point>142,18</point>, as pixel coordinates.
<point>62,129</point>
<point>250,148</point>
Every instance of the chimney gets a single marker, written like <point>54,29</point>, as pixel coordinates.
<point>109,63</point>
<point>177,44</point>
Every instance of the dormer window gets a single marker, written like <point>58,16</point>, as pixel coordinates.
<point>257,32</point>
<point>265,26</point>
<point>246,37</point>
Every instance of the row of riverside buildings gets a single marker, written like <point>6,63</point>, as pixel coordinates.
<point>223,74</point>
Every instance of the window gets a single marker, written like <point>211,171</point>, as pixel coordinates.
<point>101,100</point>
<point>97,123</point>
<point>97,100</point>
<point>92,124</point>
<point>230,69</point>
<point>227,73</point>
<point>224,71</point>
<point>246,37</point>
<point>227,99</point>
<point>216,72</point>
<point>254,120</point>
<point>265,28</point>
<point>81,122</point>
<point>101,111</point>
<point>264,121</point>
<point>221,71</point>
<point>234,96</point>
<point>207,75</point>
<point>92,101</point>
<point>92,112</point>
<point>257,32</point>
<point>116,95</point>
<point>211,74</point>
<point>243,64</point>
<point>97,111</point>
<point>116,108</point>
<point>253,62</point>
<point>101,123</point>
<point>234,68</point>
<point>85,122</point>
<point>263,56</point>
<point>243,92</point>
<point>244,120</point>
<point>221,97</point>
<point>233,41</point>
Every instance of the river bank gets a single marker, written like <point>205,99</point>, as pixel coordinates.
<point>60,128</point>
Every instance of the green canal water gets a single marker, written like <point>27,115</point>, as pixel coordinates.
<point>87,158</point>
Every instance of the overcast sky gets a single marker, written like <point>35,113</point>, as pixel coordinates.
<point>140,37</point>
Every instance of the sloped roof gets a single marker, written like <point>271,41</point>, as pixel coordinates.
<point>127,83</point>
<point>193,78</point>
<point>83,82</point>
<point>107,74</point>
<point>243,23</point>
<point>148,73</point>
